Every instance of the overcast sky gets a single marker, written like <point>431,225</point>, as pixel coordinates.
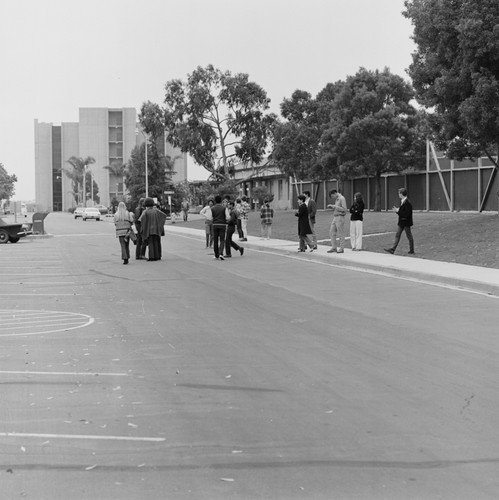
<point>59,55</point>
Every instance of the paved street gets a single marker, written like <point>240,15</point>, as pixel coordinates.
<point>260,377</point>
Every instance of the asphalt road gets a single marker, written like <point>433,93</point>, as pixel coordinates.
<point>260,377</point>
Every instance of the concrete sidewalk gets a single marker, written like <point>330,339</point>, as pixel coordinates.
<point>472,278</point>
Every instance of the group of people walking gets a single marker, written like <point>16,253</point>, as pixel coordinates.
<point>149,224</point>
<point>222,218</point>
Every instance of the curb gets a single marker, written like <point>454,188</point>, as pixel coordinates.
<point>470,278</point>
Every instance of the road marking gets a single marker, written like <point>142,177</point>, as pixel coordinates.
<point>38,274</point>
<point>38,294</point>
<point>33,283</point>
<point>13,372</point>
<point>35,322</point>
<point>82,436</point>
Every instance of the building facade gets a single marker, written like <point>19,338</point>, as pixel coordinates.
<point>106,134</point>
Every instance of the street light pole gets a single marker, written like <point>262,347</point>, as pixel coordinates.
<point>84,182</point>
<point>92,185</point>
<point>147,173</point>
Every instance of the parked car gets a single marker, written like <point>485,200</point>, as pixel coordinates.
<point>78,212</point>
<point>91,213</point>
<point>12,232</point>
<point>102,209</point>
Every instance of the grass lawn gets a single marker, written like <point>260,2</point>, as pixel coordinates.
<point>466,238</point>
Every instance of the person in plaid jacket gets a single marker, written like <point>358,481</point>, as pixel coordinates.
<point>266,217</point>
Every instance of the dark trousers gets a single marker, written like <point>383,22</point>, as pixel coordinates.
<point>240,229</point>
<point>140,248</point>
<point>125,247</point>
<point>398,234</point>
<point>228,240</point>
<point>218,240</point>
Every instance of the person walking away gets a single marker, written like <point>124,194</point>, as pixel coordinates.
<point>405,222</point>
<point>185,209</point>
<point>266,218</point>
<point>231,229</point>
<point>312,210</point>
<point>245,210</point>
<point>140,248</point>
<point>239,209</point>
<point>123,221</point>
<point>356,222</point>
<point>304,229</point>
<point>337,229</point>
<point>208,223</point>
<point>220,215</point>
<point>152,223</point>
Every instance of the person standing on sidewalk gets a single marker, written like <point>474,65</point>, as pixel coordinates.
<point>356,222</point>
<point>245,209</point>
<point>312,210</point>
<point>208,223</point>
<point>266,218</point>
<point>239,226</point>
<point>220,216</point>
<point>304,229</point>
<point>231,229</point>
<point>405,222</point>
<point>337,229</point>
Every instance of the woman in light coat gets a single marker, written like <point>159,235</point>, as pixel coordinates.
<point>123,221</point>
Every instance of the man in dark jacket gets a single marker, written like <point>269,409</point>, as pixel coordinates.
<point>220,215</point>
<point>140,249</point>
<point>312,210</point>
<point>405,222</point>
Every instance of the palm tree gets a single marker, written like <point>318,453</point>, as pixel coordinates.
<point>119,171</point>
<point>75,173</point>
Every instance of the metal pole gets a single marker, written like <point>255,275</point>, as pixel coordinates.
<point>84,182</point>
<point>92,184</point>
<point>147,174</point>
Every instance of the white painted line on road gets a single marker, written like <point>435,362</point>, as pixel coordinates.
<point>82,436</point>
<point>25,319</point>
<point>33,283</point>
<point>38,294</point>
<point>89,374</point>
<point>38,274</point>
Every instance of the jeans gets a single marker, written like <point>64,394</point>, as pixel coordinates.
<point>218,240</point>
<point>209,233</point>
<point>240,229</point>
<point>314,235</point>
<point>266,231</point>
<point>337,229</point>
<point>228,241</point>
<point>398,234</point>
<point>125,247</point>
<point>244,226</point>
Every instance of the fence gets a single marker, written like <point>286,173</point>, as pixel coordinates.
<point>446,185</point>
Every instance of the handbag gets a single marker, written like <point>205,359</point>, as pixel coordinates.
<point>131,234</point>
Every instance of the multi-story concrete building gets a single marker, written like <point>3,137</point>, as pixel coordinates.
<point>106,134</point>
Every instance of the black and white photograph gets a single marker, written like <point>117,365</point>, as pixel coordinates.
<point>249,250</point>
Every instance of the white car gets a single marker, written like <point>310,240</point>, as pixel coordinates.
<point>91,213</point>
<point>78,212</point>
